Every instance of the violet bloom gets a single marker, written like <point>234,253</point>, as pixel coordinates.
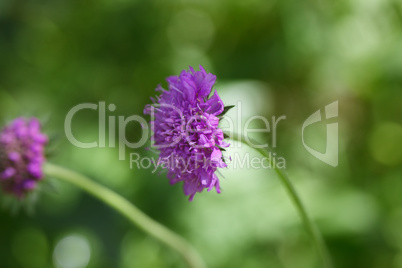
<point>21,156</point>
<point>185,125</point>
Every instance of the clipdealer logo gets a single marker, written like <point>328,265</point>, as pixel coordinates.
<point>330,156</point>
<point>107,124</point>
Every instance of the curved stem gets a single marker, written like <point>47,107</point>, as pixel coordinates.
<point>308,223</point>
<point>128,210</point>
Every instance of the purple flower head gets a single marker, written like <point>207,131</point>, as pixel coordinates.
<point>21,156</point>
<point>185,122</point>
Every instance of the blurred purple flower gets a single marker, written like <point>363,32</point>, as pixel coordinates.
<point>185,125</point>
<point>21,156</point>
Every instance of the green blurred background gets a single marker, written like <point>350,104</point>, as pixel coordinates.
<point>278,58</point>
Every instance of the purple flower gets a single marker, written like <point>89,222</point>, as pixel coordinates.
<point>185,125</point>
<point>21,156</point>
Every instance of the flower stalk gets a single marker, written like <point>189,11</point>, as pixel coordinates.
<point>132,213</point>
<point>308,223</point>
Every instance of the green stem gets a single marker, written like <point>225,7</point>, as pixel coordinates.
<point>308,223</point>
<point>132,213</point>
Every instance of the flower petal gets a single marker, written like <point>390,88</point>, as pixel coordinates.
<point>214,105</point>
